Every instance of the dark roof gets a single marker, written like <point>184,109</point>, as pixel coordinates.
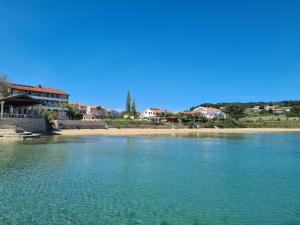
<point>20,100</point>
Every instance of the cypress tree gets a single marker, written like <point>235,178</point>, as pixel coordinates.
<point>128,103</point>
<point>133,108</point>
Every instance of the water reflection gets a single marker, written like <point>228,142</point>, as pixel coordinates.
<point>57,139</point>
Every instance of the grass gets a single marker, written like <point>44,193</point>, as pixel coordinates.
<point>271,121</point>
<point>125,122</point>
<point>271,118</point>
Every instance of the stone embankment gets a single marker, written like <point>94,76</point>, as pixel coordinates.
<point>13,133</point>
<point>80,124</point>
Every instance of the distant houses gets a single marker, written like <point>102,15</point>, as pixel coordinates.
<point>101,112</point>
<point>209,113</point>
<point>268,108</point>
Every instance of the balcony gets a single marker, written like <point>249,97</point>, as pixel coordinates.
<point>17,115</point>
<point>50,98</point>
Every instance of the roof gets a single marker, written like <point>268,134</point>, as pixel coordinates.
<point>38,88</point>
<point>278,108</point>
<point>208,109</point>
<point>97,107</point>
<point>156,110</point>
<point>188,113</point>
<point>20,100</point>
<point>213,109</point>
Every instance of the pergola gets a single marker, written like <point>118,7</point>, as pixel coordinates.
<point>18,101</point>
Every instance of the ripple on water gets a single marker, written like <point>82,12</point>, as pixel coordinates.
<point>254,179</point>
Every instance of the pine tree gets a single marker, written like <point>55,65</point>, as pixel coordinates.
<point>128,103</point>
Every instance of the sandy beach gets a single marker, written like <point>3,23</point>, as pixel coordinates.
<point>136,132</point>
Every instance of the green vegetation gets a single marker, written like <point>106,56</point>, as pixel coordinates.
<point>198,121</point>
<point>290,103</point>
<point>4,92</point>
<point>259,121</point>
<point>133,108</point>
<point>130,106</point>
<point>49,117</point>
<point>271,121</point>
<point>235,111</point>
<point>295,112</point>
<point>127,122</point>
<point>238,116</point>
<point>73,112</point>
<point>128,103</point>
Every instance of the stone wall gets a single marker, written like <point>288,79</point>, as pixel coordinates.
<point>35,125</point>
<point>141,126</point>
<point>80,124</point>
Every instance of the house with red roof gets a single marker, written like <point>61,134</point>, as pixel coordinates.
<point>154,113</point>
<point>209,112</point>
<point>51,99</point>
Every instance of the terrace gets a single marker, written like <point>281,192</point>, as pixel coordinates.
<point>19,106</point>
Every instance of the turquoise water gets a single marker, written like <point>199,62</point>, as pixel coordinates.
<point>213,179</point>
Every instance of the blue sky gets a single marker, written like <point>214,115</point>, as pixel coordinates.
<point>170,54</point>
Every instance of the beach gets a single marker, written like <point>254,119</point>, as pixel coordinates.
<point>137,131</point>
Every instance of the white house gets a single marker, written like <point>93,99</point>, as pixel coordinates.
<point>210,112</point>
<point>154,113</point>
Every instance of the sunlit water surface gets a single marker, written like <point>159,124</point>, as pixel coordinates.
<point>206,179</point>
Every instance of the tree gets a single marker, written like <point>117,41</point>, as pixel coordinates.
<point>128,103</point>
<point>4,90</point>
<point>294,112</point>
<point>133,108</point>
<point>73,112</point>
<point>235,110</point>
<point>49,117</point>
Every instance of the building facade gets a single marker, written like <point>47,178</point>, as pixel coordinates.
<point>154,113</point>
<point>99,111</point>
<point>51,99</point>
<point>210,113</point>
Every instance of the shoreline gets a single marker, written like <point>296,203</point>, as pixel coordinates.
<point>150,132</point>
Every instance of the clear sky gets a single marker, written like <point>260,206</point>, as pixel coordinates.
<point>170,54</point>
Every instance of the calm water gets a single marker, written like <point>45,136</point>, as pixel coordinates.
<point>217,179</point>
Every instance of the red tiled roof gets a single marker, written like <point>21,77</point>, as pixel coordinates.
<point>210,109</point>
<point>155,110</point>
<point>213,109</point>
<point>36,89</point>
